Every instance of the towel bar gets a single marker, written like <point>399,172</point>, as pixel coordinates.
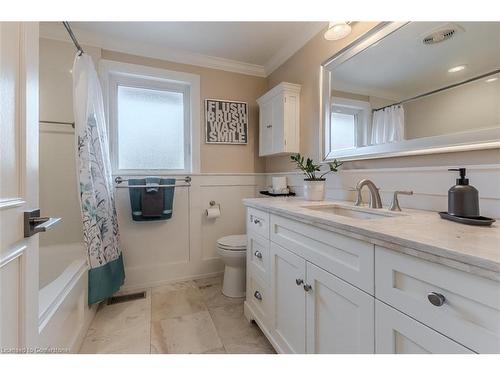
<point>119,180</point>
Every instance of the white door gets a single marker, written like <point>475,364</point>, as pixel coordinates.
<point>278,124</point>
<point>288,296</point>
<point>18,184</point>
<point>266,129</point>
<point>340,317</point>
<point>397,333</point>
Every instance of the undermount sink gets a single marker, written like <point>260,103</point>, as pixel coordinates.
<point>353,212</point>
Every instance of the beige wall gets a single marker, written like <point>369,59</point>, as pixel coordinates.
<point>467,107</point>
<point>304,68</point>
<point>218,84</point>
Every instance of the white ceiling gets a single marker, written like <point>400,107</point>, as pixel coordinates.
<point>255,47</point>
<point>401,66</point>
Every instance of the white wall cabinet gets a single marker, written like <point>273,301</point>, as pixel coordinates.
<point>279,120</point>
<point>325,292</point>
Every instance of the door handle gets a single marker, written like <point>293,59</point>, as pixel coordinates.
<point>34,224</point>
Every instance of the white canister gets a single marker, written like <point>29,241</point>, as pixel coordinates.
<point>314,190</point>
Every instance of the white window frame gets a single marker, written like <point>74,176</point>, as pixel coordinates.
<point>113,73</point>
<point>364,118</point>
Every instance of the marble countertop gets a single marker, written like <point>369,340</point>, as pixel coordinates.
<point>415,232</point>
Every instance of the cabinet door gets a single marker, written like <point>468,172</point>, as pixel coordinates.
<point>397,333</point>
<point>266,128</point>
<point>288,297</point>
<point>340,317</point>
<point>278,122</point>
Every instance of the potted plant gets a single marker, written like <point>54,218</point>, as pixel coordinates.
<point>314,186</point>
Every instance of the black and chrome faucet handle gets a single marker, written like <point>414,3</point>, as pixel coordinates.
<point>395,202</point>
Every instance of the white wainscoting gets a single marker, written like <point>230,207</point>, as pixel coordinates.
<point>429,184</point>
<point>184,247</point>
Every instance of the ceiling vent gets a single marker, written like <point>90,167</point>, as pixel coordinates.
<point>442,34</point>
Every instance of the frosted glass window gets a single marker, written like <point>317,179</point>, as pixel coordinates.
<point>150,129</point>
<point>343,130</point>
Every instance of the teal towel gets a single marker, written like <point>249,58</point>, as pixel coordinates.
<point>135,197</point>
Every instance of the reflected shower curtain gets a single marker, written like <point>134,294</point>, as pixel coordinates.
<point>388,125</point>
<point>100,225</point>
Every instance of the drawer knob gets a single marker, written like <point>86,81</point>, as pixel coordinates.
<point>299,281</point>
<point>256,221</point>
<point>307,287</point>
<point>258,254</point>
<point>437,299</point>
<point>258,295</point>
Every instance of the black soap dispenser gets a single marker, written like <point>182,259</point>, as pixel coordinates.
<point>463,199</point>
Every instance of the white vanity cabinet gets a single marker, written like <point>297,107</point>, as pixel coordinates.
<point>309,309</point>
<point>279,120</point>
<point>325,291</point>
<point>339,315</point>
<point>288,322</point>
<point>397,333</point>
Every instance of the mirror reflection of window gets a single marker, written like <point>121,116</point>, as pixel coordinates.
<point>343,134</point>
<point>350,121</point>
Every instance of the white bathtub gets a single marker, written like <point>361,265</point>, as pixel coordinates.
<point>63,312</point>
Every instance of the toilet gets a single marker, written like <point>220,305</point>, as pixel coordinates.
<point>232,250</point>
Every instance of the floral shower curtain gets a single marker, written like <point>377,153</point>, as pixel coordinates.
<point>100,225</point>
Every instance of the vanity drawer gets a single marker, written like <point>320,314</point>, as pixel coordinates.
<point>397,333</point>
<point>348,258</point>
<point>258,256</point>
<point>258,222</point>
<point>470,313</point>
<point>259,298</point>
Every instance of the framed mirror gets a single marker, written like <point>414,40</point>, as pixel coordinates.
<point>413,88</point>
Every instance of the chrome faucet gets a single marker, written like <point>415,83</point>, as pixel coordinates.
<point>375,201</point>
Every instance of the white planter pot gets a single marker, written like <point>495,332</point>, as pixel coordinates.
<point>314,190</point>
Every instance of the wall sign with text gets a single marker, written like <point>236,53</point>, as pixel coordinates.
<point>226,122</point>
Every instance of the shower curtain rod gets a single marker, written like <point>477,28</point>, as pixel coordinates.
<point>73,38</point>
<point>58,122</point>
<point>439,90</point>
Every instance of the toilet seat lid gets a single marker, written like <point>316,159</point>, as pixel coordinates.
<point>234,242</point>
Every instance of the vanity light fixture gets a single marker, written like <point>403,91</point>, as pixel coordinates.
<point>489,80</point>
<point>338,30</point>
<point>455,69</point>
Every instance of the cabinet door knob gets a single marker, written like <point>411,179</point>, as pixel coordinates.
<point>258,254</point>
<point>256,221</point>
<point>299,281</point>
<point>269,126</point>
<point>258,295</point>
<point>307,287</point>
<point>437,299</point>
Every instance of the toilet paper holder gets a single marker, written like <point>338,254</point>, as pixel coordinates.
<point>214,203</point>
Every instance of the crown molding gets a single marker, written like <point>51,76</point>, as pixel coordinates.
<point>52,31</point>
<point>291,47</point>
<point>56,32</point>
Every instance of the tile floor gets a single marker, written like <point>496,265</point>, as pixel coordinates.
<point>183,317</point>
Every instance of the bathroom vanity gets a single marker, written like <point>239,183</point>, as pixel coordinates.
<point>330,277</point>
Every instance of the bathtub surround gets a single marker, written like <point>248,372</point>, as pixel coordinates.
<point>95,184</point>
